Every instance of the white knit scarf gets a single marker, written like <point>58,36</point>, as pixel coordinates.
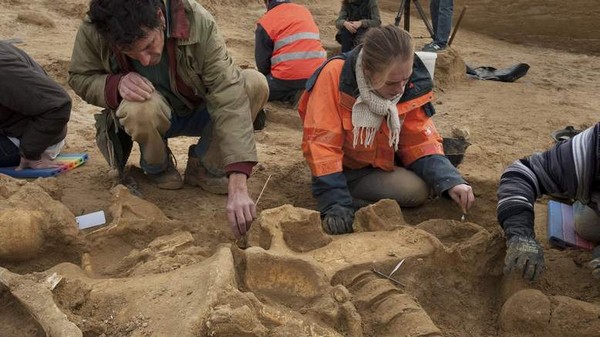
<point>370,109</point>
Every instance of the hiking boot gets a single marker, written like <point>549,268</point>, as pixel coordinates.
<point>260,121</point>
<point>197,175</point>
<point>433,47</point>
<point>169,179</point>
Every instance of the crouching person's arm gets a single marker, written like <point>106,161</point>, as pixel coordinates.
<point>334,202</point>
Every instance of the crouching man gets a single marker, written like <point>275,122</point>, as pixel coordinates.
<point>161,70</point>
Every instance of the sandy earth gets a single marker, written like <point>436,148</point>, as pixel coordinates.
<point>165,265</point>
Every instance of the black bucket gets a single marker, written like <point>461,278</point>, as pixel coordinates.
<point>454,149</point>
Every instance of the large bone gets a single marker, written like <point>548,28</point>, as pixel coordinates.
<point>37,299</point>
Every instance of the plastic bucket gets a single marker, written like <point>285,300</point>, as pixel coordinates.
<point>454,149</point>
<point>428,59</point>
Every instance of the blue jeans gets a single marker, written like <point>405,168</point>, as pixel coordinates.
<point>196,124</point>
<point>441,18</point>
<point>9,153</point>
<point>587,222</point>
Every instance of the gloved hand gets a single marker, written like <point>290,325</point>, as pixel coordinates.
<point>338,220</point>
<point>525,255</point>
<point>595,266</point>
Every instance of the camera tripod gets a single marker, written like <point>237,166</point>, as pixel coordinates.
<point>405,9</point>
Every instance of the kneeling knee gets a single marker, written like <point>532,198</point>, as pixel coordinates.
<point>414,195</point>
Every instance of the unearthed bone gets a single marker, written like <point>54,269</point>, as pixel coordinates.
<point>482,251</point>
<point>241,321</point>
<point>177,304</point>
<point>171,244</point>
<point>163,254</point>
<point>299,229</point>
<point>37,299</point>
<point>381,216</point>
<point>126,206</point>
<point>531,313</point>
<point>9,186</point>
<point>386,309</point>
<point>290,280</point>
<point>197,300</point>
<point>290,323</point>
<point>31,221</point>
<point>59,223</point>
<point>344,250</point>
<point>21,236</point>
<point>133,216</point>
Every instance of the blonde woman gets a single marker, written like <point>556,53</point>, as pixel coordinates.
<point>368,132</point>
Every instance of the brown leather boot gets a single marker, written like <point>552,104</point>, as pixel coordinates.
<point>169,179</point>
<point>197,175</point>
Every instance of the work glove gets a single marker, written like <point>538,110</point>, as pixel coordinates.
<point>338,220</point>
<point>594,264</point>
<point>525,255</point>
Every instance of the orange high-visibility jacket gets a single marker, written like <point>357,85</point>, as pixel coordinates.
<point>326,109</point>
<point>297,49</point>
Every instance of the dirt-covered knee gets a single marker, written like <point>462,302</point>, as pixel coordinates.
<point>140,119</point>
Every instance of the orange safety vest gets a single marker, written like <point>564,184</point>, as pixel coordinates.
<point>297,49</point>
<point>327,140</point>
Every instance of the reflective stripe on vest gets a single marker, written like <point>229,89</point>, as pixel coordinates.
<point>293,38</point>
<point>303,55</point>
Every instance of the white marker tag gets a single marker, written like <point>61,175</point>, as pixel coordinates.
<point>91,220</point>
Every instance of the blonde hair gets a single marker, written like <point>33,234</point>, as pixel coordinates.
<point>382,46</point>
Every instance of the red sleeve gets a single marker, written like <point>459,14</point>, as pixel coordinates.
<point>111,90</point>
<point>242,167</point>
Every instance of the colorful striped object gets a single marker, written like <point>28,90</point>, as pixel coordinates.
<point>561,227</point>
<point>68,162</point>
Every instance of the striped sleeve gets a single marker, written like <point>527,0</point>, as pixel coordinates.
<point>567,169</point>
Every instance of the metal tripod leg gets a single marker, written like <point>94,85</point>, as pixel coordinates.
<point>424,18</point>
<point>405,10</point>
<point>400,12</point>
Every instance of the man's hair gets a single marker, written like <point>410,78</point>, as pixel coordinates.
<point>384,45</point>
<point>122,22</point>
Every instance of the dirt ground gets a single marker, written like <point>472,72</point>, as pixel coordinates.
<point>167,265</point>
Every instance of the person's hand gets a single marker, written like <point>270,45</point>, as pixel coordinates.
<point>595,267</point>
<point>135,87</point>
<point>350,27</point>
<point>525,255</point>
<point>241,210</point>
<point>44,162</point>
<point>463,195</point>
<point>356,24</point>
<point>338,220</point>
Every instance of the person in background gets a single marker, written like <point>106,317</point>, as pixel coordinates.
<point>368,132</point>
<point>441,18</point>
<point>570,169</point>
<point>287,49</point>
<point>355,18</point>
<point>34,112</point>
<point>162,70</point>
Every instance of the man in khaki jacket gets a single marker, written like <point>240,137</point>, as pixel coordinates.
<point>162,70</point>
